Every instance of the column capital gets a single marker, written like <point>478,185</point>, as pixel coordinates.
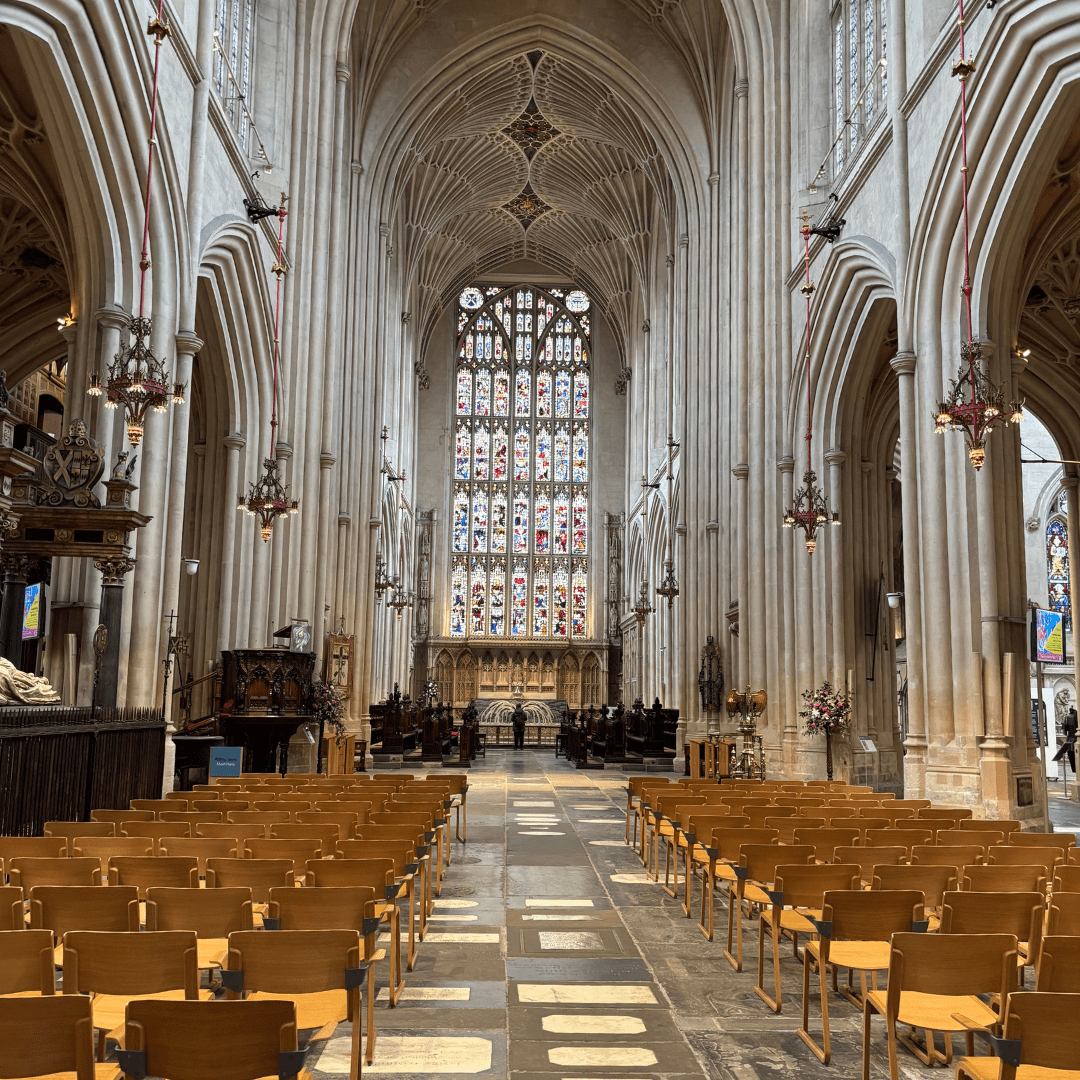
<point>867,465</point>
<point>234,441</point>
<point>114,568</point>
<point>786,464</point>
<point>344,74</point>
<point>740,471</point>
<point>1069,483</point>
<point>112,318</point>
<point>283,451</point>
<point>835,456</point>
<point>199,449</point>
<point>742,88</point>
<point>17,567</point>
<point>69,331</point>
<point>904,363</point>
<point>327,461</point>
<point>188,343</point>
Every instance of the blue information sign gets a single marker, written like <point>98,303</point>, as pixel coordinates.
<point>226,760</point>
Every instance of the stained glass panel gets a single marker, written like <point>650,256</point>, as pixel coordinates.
<point>458,604</point>
<point>578,597</point>
<point>521,454</point>
<point>483,392</point>
<point>542,510</point>
<point>581,395</point>
<point>541,599</point>
<point>838,92</point>
<point>560,581</point>
<point>461,517</point>
<point>498,520</point>
<point>581,515</point>
<point>543,393</point>
<point>562,454</point>
<point>543,453</point>
<point>499,451</point>
<point>521,521</point>
<point>1057,568</point>
<point>869,58</point>
<point>464,392</point>
<point>519,600</point>
<point>461,451</point>
<point>497,593</point>
<point>502,393</point>
<point>521,393</point>
<point>562,394</point>
<point>581,453</point>
<point>853,65</point>
<point>480,519</point>
<point>481,445</point>
<point>562,521</point>
<point>477,596</point>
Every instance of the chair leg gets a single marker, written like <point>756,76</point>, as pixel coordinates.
<point>734,916</point>
<point>867,1010</point>
<point>687,890</point>
<point>708,874</point>
<point>822,1053</point>
<point>396,979</point>
<point>671,855</point>
<point>773,932</point>
<point>369,1046</point>
<point>411,897</point>
<point>354,1061</point>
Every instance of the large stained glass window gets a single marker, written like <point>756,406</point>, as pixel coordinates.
<point>1057,568</point>
<point>520,467</point>
<point>859,84</point>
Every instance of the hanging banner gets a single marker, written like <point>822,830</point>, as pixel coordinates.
<point>1049,636</point>
<point>31,626</point>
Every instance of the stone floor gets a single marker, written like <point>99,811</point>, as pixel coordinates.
<point>551,955</point>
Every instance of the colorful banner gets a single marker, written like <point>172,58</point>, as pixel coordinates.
<point>1049,636</point>
<point>31,626</point>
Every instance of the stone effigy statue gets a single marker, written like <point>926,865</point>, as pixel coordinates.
<point>19,688</point>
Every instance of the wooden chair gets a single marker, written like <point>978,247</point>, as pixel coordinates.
<point>905,838</point>
<point>326,835</point>
<point>425,827</point>
<point>759,814</point>
<point>1039,1038</point>
<point>345,822</point>
<point>855,930</point>
<point>29,873</point>
<point>1019,914</point>
<point>1058,970</point>
<point>836,816</point>
<point>258,875</point>
<point>963,837</point>
<point>63,1038</point>
<point>199,848</point>
<point>172,872</point>
<point>1066,878</point>
<point>459,790</point>
<point>712,859</point>
<point>421,848</point>
<point>826,841</point>
<point>753,876</point>
<point>214,1040</point>
<point>1066,841</point>
<point>319,970</point>
<point>786,826</point>
<point>932,978</point>
<point>932,881</point>
<point>955,856</point>
<point>74,829</point>
<point>194,819</point>
<point>354,908</point>
<point>867,858</point>
<point>437,802</point>
<point>693,822</point>
<point>177,796</point>
<point>156,830</point>
<point>919,825</point>
<point>663,820</point>
<point>118,816</point>
<point>103,848</point>
<point>30,847</point>
<point>1026,855</point>
<point>300,851</point>
<point>1064,917</point>
<point>26,963</point>
<point>795,902</point>
<point>915,804</point>
<point>213,914</point>
<point>60,908</point>
<point>12,914</point>
<point>1007,826</point>
<point>649,789</point>
<point>114,968</point>
<point>230,830</point>
<point>887,810</point>
<point>258,817</point>
<point>220,806</point>
<point>945,812</point>
<point>999,879</point>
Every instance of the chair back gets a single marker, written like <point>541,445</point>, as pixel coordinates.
<point>156,830</point>
<point>728,841</point>
<point>72,829</point>
<point>300,851</point>
<point>324,909</point>
<point>1067,878</point>
<point>895,837</point>
<point>1064,914</point>
<point>401,852</point>
<point>962,837</point>
<point>117,816</point>
<point>999,879</point>
<point>173,871</point>
<point>858,915</point>
<point>259,817</point>
<point>327,835</point>
<point>1026,855</point>
<point>104,963</point>
<point>60,908</point>
<point>232,830</point>
<point>839,816</point>
<point>210,913</point>
<point>932,881</point>
<point>759,815</point>
<point>193,818</point>
<point>345,821</point>
<point>30,847</point>
<point>954,965</point>
<point>805,885</point>
<point>1007,826</point>
<point>699,821</point>
<point>1019,914</point>
<point>375,874</point>
<point>200,848</point>
<point>786,826</point>
<point>11,908</point>
<point>761,860</point>
<point>826,841</point>
<point>956,856</point>
<point>26,963</point>
<point>258,875</point>
<point>62,1036</point>
<point>868,857</point>
<point>1044,1024</point>
<point>103,848</point>
<point>294,961</point>
<point>945,812</point>
<point>29,873</point>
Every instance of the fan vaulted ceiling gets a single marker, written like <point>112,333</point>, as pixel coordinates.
<point>537,159</point>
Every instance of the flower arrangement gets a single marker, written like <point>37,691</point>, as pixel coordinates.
<point>328,709</point>
<point>827,711</point>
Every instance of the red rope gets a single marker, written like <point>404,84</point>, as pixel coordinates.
<point>964,186</point>
<point>809,288</point>
<point>144,260</point>
<point>282,213</point>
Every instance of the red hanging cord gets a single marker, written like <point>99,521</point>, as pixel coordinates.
<point>808,288</point>
<point>279,269</point>
<point>160,31</point>
<point>963,71</point>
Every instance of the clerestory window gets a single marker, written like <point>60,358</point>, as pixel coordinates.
<point>519,542</point>
<point>234,26</point>
<point>859,85</point>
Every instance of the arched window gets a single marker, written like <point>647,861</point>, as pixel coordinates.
<point>1057,568</point>
<point>234,27</point>
<point>859,90</point>
<point>520,500</point>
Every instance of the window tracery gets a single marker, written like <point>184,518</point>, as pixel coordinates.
<point>859,40</point>
<point>1057,568</point>
<point>520,467</point>
<point>234,24</point>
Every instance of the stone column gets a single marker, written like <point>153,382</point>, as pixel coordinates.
<point>790,719</point>
<point>283,451</point>
<point>107,636</point>
<point>904,364</point>
<point>16,571</point>
<point>233,445</point>
<point>324,561</point>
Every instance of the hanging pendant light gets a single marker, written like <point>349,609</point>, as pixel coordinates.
<point>267,498</point>
<point>137,380</point>
<point>643,608</point>
<point>669,586</point>
<point>810,511</point>
<point>974,405</point>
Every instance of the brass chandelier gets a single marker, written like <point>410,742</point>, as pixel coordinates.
<point>669,586</point>
<point>810,511</point>
<point>974,405</point>
<point>643,608</point>
<point>137,380</point>
<point>267,498</point>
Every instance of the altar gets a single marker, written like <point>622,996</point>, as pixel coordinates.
<point>543,721</point>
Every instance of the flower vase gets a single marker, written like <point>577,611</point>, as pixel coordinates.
<point>828,753</point>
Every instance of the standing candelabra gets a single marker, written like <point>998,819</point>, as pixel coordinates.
<point>748,705</point>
